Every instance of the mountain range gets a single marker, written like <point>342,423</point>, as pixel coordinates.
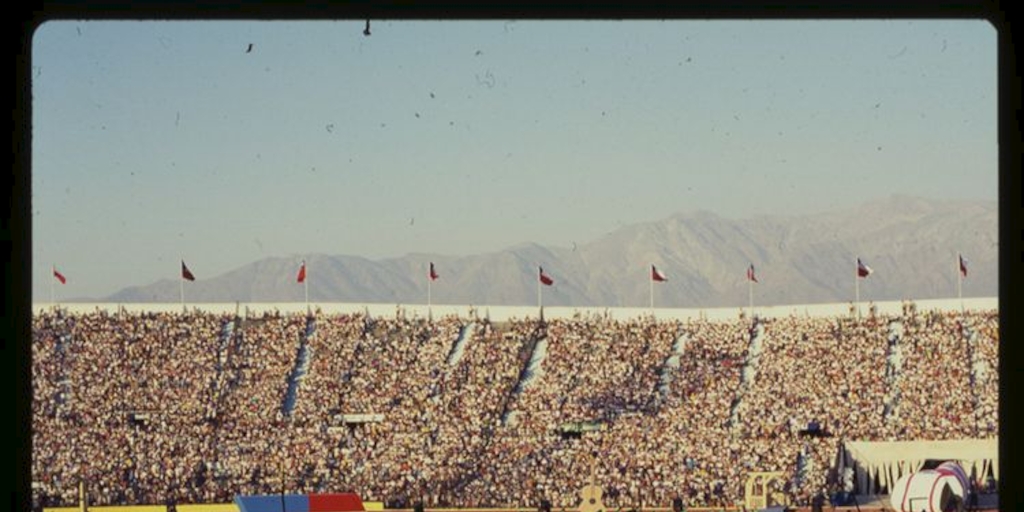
<point>910,243</point>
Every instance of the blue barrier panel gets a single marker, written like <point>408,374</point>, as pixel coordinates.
<point>296,503</point>
<point>273,503</point>
<point>259,503</point>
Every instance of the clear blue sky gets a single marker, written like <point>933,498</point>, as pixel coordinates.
<point>156,140</point>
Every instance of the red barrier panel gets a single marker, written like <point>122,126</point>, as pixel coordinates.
<point>341,502</point>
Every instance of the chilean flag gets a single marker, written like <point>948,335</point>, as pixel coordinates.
<point>544,278</point>
<point>433,274</point>
<point>750,273</point>
<point>186,273</point>
<point>862,269</point>
<point>963,265</point>
<point>657,276</point>
<point>60,277</point>
<point>302,273</point>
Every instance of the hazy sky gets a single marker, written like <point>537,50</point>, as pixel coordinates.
<point>227,142</point>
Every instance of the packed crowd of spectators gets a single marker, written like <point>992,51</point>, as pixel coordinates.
<point>937,396</point>
<point>196,407</point>
<point>595,371</point>
<point>120,402</point>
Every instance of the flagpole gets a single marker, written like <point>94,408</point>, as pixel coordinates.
<point>181,282</point>
<point>53,269</point>
<point>651,279</point>
<point>539,303</point>
<point>960,281</point>
<point>305,282</point>
<point>856,286</point>
<point>430,278</point>
<point>750,294</point>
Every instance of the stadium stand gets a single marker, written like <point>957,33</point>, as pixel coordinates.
<point>195,408</point>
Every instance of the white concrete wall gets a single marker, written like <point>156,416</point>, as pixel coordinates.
<point>501,313</point>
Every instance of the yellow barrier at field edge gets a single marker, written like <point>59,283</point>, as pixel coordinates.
<point>130,508</point>
<point>114,508</point>
<point>212,507</point>
<point>197,507</point>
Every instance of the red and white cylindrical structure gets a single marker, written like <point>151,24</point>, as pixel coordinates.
<point>954,469</point>
<point>930,490</point>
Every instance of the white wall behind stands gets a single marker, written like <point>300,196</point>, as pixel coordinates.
<point>502,313</point>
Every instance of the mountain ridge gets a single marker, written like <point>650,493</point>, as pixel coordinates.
<point>910,242</point>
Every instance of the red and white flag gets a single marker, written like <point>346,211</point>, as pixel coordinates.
<point>433,274</point>
<point>750,273</point>
<point>656,275</point>
<point>302,273</point>
<point>186,273</point>
<point>862,269</point>
<point>544,278</point>
<point>963,265</point>
<point>60,277</point>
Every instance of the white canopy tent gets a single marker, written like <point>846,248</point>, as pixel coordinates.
<point>887,461</point>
